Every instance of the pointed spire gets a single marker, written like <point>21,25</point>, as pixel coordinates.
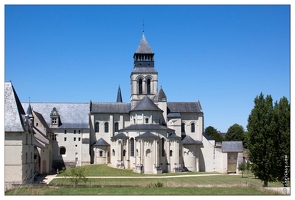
<point>119,95</point>
<point>144,46</point>
<point>29,111</point>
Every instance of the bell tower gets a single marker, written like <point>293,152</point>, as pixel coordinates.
<point>144,77</point>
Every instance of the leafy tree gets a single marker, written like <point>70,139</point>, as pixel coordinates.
<point>213,133</point>
<point>267,134</point>
<point>235,133</point>
<point>242,167</point>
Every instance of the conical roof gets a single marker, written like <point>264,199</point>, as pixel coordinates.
<point>162,96</point>
<point>146,104</point>
<point>101,142</point>
<point>119,95</point>
<point>143,46</point>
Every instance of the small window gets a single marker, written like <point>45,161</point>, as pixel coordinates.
<point>113,152</point>
<point>193,127</point>
<point>132,146</point>
<point>37,124</point>
<point>96,127</point>
<point>182,127</point>
<point>116,127</point>
<point>106,127</point>
<point>140,86</point>
<point>124,153</point>
<point>65,131</point>
<point>65,138</point>
<point>74,138</point>
<point>79,131</point>
<point>62,151</point>
<point>100,153</point>
<point>53,120</point>
<point>79,139</point>
<point>146,120</point>
<point>170,153</point>
<point>148,86</point>
<point>74,131</point>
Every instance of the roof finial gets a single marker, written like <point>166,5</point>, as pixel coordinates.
<point>143,27</point>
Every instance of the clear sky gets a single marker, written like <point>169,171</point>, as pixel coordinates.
<point>223,56</point>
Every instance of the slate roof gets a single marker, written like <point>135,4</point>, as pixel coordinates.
<point>174,115</point>
<point>13,110</point>
<point>144,70</point>
<point>120,136</point>
<point>189,140</point>
<point>173,136</point>
<point>110,107</point>
<point>101,142</point>
<point>162,96</point>
<point>179,107</point>
<point>207,136</point>
<point>232,146</point>
<point>147,135</point>
<point>146,127</point>
<point>144,46</point>
<point>146,105</point>
<point>119,95</point>
<point>72,115</point>
<point>42,120</point>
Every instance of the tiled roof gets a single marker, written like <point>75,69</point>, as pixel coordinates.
<point>147,135</point>
<point>144,46</point>
<point>232,146</point>
<point>101,142</point>
<point>72,115</point>
<point>110,107</point>
<point>179,107</point>
<point>120,136</point>
<point>189,140</point>
<point>146,105</point>
<point>146,127</point>
<point>13,110</point>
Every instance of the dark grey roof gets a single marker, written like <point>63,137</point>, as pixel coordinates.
<point>146,127</point>
<point>144,70</point>
<point>72,115</point>
<point>174,115</point>
<point>144,46</point>
<point>120,136</point>
<point>147,135</point>
<point>101,142</point>
<point>162,96</point>
<point>42,120</point>
<point>40,136</point>
<point>184,107</point>
<point>13,110</point>
<point>119,95</point>
<point>232,146</point>
<point>173,136</point>
<point>189,140</point>
<point>146,105</point>
<point>110,107</point>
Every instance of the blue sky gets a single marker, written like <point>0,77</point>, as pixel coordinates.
<point>223,56</point>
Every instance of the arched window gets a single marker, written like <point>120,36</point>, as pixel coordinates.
<point>192,127</point>
<point>132,146</point>
<point>148,86</point>
<point>140,86</point>
<point>96,127</point>
<point>116,126</point>
<point>106,127</point>
<point>62,151</point>
<point>148,153</point>
<point>171,153</point>
<point>124,153</point>
<point>146,120</point>
<point>182,127</point>
<point>163,147</point>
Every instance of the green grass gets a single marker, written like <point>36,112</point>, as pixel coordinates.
<point>104,170</point>
<point>138,191</point>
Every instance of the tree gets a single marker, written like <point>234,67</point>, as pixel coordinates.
<point>213,133</point>
<point>242,167</point>
<point>235,133</point>
<point>267,134</point>
<point>75,174</point>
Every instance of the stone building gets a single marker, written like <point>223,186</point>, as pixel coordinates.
<point>148,134</point>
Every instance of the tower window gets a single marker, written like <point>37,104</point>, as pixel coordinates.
<point>106,127</point>
<point>140,86</point>
<point>182,127</point>
<point>148,86</point>
<point>193,127</point>
<point>96,127</point>
<point>116,126</point>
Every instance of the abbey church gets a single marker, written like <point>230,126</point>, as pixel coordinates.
<point>149,134</point>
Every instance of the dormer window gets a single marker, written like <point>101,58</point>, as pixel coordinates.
<point>53,120</point>
<point>146,120</point>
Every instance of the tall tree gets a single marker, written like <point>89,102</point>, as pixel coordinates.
<point>235,133</point>
<point>213,133</point>
<point>265,139</point>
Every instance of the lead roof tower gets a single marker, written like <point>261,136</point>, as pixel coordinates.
<point>144,77</point>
